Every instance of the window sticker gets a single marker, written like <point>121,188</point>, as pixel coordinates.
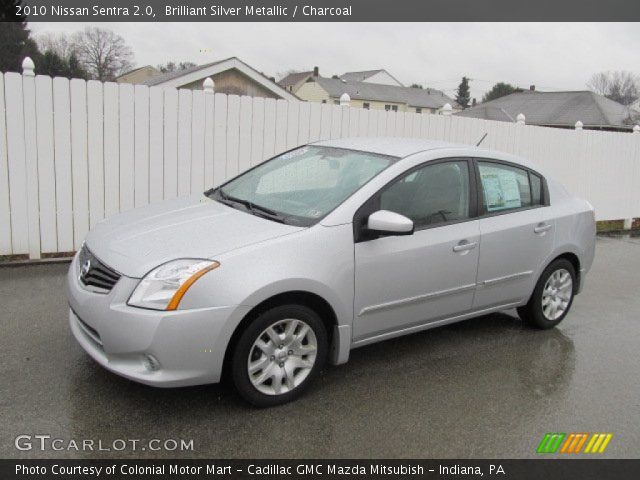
<point>500,188</point>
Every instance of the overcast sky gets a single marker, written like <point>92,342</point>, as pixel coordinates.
<point>552,56</point>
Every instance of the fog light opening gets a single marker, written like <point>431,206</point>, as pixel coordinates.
<point>150,362</point>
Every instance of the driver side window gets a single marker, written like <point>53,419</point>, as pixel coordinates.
<point>433,194</point>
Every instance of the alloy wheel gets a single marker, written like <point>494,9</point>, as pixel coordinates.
<point>282,356</point>
<point>557,294</point>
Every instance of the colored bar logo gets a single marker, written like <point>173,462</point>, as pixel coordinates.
<point>574,443</point>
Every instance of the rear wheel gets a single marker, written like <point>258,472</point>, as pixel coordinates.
<point>279,354</point>
<point>552,297</point>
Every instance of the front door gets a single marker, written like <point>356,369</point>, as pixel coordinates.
<point>406,281</point>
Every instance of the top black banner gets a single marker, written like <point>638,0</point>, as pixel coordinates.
<point>329,10</point>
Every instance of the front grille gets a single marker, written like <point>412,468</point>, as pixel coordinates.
<point>94,274</point>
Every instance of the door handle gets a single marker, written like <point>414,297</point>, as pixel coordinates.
<point>464,246</point>
<point>543,227</point>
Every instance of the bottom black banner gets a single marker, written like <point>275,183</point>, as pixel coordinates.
<point>356,468</point>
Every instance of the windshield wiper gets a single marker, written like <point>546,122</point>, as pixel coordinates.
<point>257,210</point>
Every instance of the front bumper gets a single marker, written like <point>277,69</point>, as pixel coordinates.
<point>163,349</point>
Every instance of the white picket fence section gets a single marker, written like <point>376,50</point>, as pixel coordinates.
<point>75,152</point>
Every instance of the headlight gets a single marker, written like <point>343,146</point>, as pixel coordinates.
<point>163,287</point>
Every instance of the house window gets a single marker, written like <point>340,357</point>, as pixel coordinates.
<point>365,105</point>
<point>394,108</point>
<point>387,107</point>
<point>337,102</point>
<point>418,110</point>
<point>324,101</point>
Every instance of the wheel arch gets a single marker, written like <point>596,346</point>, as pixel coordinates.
<point>567,253</point>
<point>573,258</point>
<point>336,332</point>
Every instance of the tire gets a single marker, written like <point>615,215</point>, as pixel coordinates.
<point>557,297</point>
<point>278,355</point>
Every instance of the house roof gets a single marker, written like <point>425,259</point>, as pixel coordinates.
<point>364,75</point>
<point>136,69</point>
<point>360,76</point>
<point>165,77</point>
<point>193,74</point>
<point>554,109</point>
<point>294,78</point>
<point>414,97</point>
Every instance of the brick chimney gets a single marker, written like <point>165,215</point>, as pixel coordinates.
<point>473,102</point>
<point>316,72</point>
<point>532,88</point>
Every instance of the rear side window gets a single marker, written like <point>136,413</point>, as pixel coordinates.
<point>505,187</point>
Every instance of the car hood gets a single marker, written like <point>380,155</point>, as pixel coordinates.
<point>139,240</point>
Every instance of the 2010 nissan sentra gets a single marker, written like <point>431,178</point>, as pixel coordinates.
<point>320,250</point>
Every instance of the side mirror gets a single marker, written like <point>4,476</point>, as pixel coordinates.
<point>390,223</point>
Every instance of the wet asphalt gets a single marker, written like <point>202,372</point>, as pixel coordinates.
<point>485,388</point>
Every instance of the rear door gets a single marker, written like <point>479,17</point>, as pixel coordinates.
<point>405,281</point>
<point>516,232</point>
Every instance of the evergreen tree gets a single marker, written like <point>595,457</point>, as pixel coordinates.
<point>463,95</point>
<point>499,90</point>
<point>51,64</point>
<point>75,68</point>
<point>15,42</point>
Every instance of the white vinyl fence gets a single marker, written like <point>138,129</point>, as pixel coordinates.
<point>75,152</point>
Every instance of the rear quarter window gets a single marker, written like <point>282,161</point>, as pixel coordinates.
<point>536,189</point>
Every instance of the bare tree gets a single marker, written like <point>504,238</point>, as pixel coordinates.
<point>58,43</point>
<point>104,54</point>
<point>620,86</point>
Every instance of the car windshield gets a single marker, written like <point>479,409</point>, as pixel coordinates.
<point>301,186</point>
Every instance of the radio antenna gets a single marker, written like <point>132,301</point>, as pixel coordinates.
<point>481,140</point>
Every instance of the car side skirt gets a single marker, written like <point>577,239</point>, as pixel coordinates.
<point>432,324</point>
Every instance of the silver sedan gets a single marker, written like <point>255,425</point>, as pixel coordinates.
<point>322,249</point>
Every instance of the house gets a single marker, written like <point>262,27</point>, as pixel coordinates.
<point>635,107</point>
<point>294,81</point>
<point>231,76</point>
<point>371,89</point>
<point>138,75</point>
<point>556,109</point>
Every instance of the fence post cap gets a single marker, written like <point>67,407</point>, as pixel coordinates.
<point>521,119</point>
<point>636,129</point>
<point>447,109</point>
<point>345,99</point>
<point>208,85</point>
<point>28,66</point>
<point>579,125</point>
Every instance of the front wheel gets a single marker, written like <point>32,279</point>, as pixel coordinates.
<point>552,297</point>
<point>279,354</point>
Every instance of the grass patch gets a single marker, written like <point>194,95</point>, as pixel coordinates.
<point>616,225</point>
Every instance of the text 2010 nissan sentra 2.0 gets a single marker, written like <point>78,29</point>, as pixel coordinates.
<point>322,249</point>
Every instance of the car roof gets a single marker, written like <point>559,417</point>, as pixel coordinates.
<point>403,147</point>
<point>395,146</point>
